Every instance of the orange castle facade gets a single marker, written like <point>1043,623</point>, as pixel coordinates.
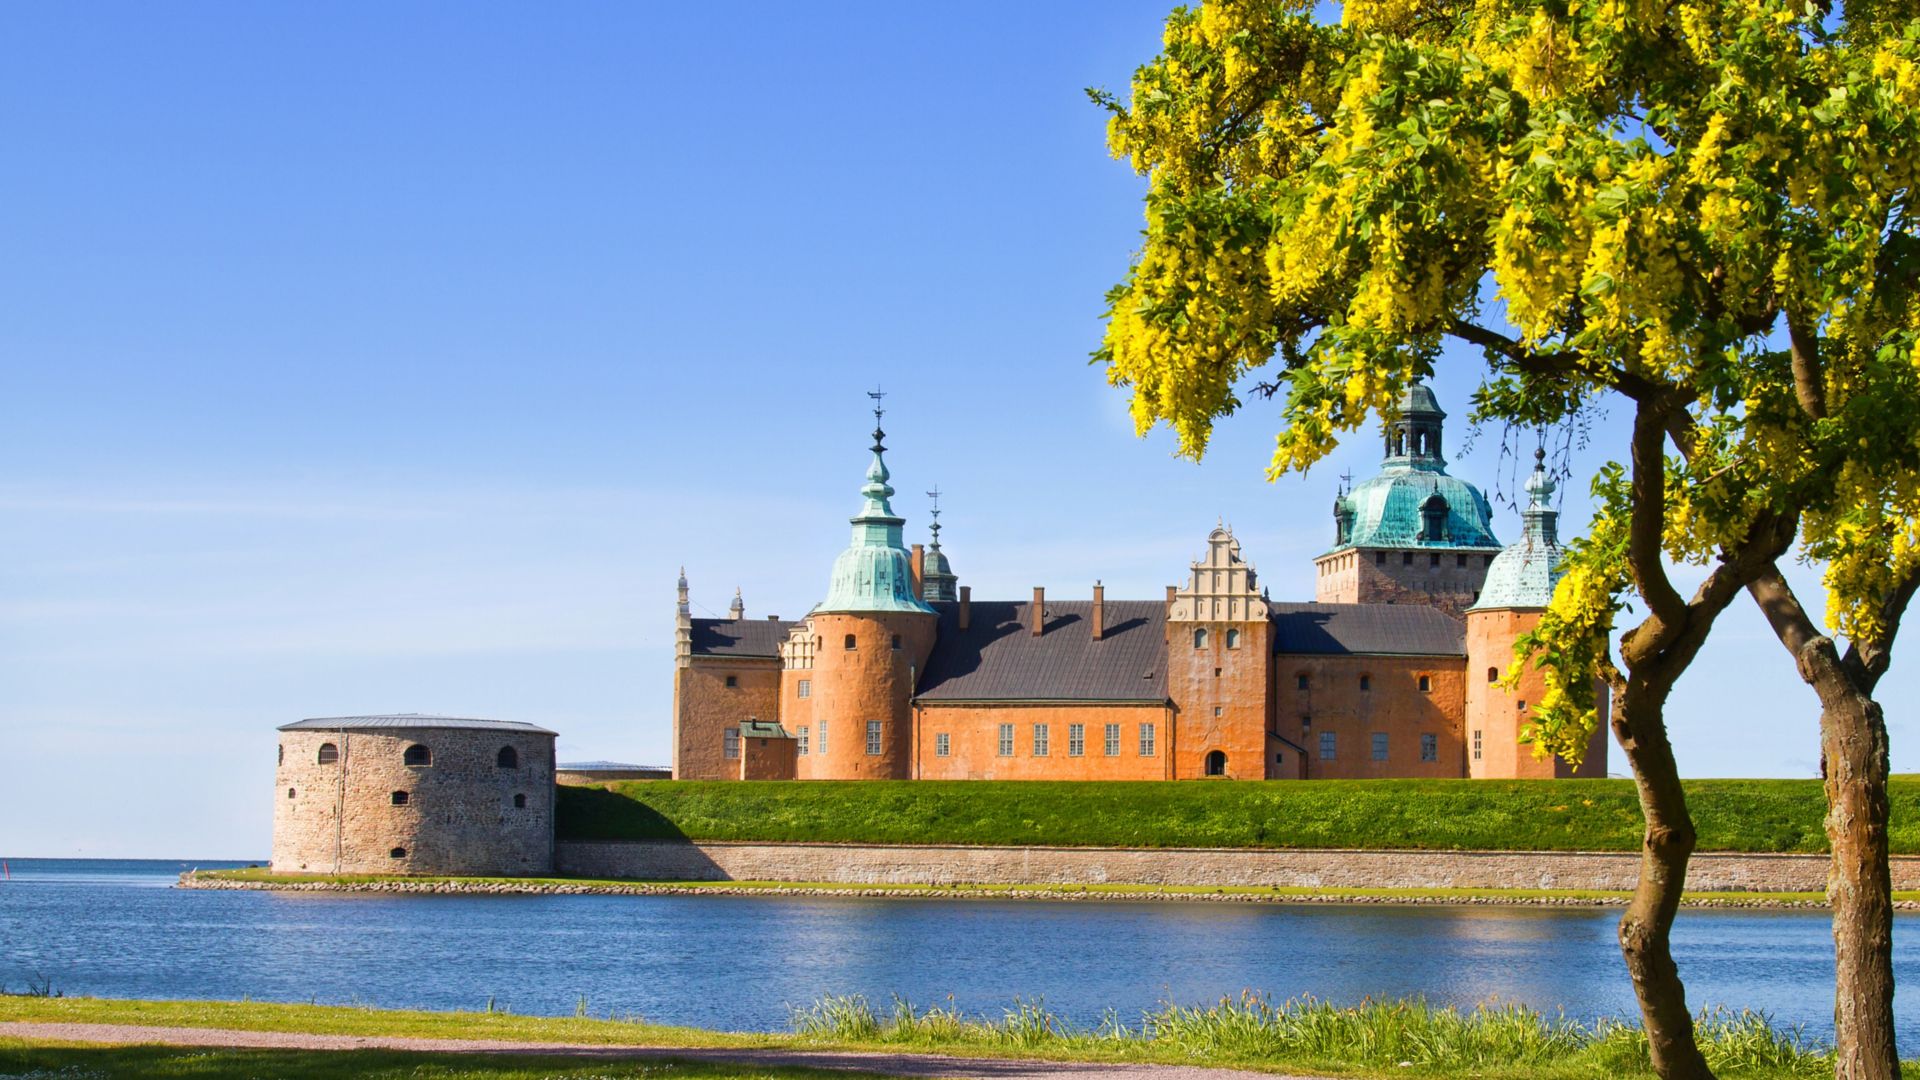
<point>1394,670</point>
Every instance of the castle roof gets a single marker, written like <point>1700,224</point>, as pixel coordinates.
<point>1523,576</point>
<point>998,657</point>
<point>740,637</point>
<point>1366,630</point>
<point>1389,508</point>
<point>873,573</point>
<point>412,722</point>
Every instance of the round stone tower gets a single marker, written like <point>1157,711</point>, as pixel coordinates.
<point>412,794</point>
<point>872,636</point>
<point>1518,588</point>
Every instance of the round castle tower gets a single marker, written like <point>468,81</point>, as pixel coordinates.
<point>413,794</point>
<point>1518,588</point>
<point>872,635</point>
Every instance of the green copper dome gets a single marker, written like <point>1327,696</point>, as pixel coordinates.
<point>1523,576</point>
<point>874,573</point>
<point>1412,502</point>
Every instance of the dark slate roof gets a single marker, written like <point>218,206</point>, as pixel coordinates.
<point>410,722</point>
<point>997,658</point>
<point>1376,629</point>
<point>739,637</point>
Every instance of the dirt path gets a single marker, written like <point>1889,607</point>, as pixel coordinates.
<point>886,1063</point>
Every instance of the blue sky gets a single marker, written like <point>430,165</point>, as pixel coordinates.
<point>395,357</point>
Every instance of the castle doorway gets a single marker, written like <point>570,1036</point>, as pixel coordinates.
<point>1216,763</point>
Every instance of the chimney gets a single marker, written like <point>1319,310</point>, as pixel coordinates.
<point>1039,610</point>
<point>919,565</point>
<point>1172,590</point>
<point>966,605</point>
<point>1099,611</point>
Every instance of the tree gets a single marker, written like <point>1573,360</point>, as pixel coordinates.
<point>1606,198</point>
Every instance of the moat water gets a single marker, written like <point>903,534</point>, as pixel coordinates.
<point>118,929</point>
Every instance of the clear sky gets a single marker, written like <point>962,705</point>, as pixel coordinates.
<point>374,357</point>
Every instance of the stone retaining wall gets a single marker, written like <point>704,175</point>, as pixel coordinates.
<point>945,865</point>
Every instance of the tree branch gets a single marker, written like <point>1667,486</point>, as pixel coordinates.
<point>1647,529</point>
<point>1809,384</point>
<point>1869,660</point>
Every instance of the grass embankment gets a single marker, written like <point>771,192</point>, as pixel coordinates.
<point>1375,1040</point>
<point>1487,815</point>
<point>32,1061</point>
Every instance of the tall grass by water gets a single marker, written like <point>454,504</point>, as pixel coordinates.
<point>1492,1040</point>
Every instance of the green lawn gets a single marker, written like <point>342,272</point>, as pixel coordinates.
<point>1517,815</point>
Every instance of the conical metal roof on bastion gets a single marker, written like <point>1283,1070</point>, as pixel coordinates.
<point>874,573</point>
<point>1386,507</point>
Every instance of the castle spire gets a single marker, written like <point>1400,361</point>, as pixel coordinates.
<point>939,580</point>
<point>873,573</point>
<point>738,609</point>
<point>1542,520</point>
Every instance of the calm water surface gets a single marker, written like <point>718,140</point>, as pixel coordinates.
<point>114,928</point>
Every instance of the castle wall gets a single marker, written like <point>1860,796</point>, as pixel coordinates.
<point>1445,578</point>
<point>973,740</point>
<point>1498,713</point>
<point>1221,696</point>
<point>1392,704</point>
<point>459,817</point>
<point>705,707</point>
<point>871,682</point>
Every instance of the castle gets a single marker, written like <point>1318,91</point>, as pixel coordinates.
<point>1394,669</point>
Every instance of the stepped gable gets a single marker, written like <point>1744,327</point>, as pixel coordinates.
<point>740,637</point>
<point>999,658</point>
<point>1366,629</point>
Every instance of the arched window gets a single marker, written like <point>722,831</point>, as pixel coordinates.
<point>1433,513</point>
<point>851,643</point>
<point>1233,639</point>
<point>417,755</point>
<point>1216,763</point>
<point>329,753</point>
<point>399,798</point>
<point>896,643</point>
<point>397,853</point>
<point>508,758</point>
<point>519,802</point>
<point>1200,638</point>
<point>1493,674</point>
<point>289,793</point>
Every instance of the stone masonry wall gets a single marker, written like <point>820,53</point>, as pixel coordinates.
<point>938,865</point>
<point>705,707</point>
<point>459,816</point>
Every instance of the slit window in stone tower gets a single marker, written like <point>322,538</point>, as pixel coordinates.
<point>418,756</point>
<point>507,758</point>
<point>329,753</point>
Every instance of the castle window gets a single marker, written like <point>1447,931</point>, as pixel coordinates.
<point>399,798</point>
<point>1006,740</point>
<point>1328,745</point>
<point>507,758</point>
<point>1217,710</point>
<point>1429,748</point>
<point>733,681</point>
<point>1279,757</point>
<point>896,643</point>
<point>800,743</point>
<point>1366,682</point>
<point>1476,746</point>
<point>1216,763</point>
<point>1379,746</point>
<point>1113,740</point>
<point>417,755</point>
<point>329,753</point>
<point>1076,740</point>
<point>805,689</point>
<point>397,853</point>
<point>1200,638</point>
<point>1146,740</point>
<point>1426,684</point>
<point>822,748</point>
<point>1379,558</point>
<point>280,758</point>
<point>519,802</point>
<point>1300,681</point>
<point>1520,706</point>
<point>942,745</point>
<point>1042,736</point>
<point>289,793</point>
<point>1433,559</point>
<point>1459,560</point>
<point>1233,639</point>
<point>1493,674</point>
<point>873,737</point>
<point>730,742</point>
<point>851,643</point>
<point>1406,558</point>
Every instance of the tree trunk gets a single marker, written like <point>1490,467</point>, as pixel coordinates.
<point>1853,740</point>
<point>1645,930</point>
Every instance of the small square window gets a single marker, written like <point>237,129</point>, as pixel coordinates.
<point>733,681</point>
<point>1366,682</point>
<point>896,643</point>
<point>1406,558</point>
<point>805,688</point>
<point>1433,559</point>
<point>1379,746</point>
<point>1300,682</point>
<point>1459,560</point>
<point>1426,684</point>
<point>1279,757</point>
<point>1379,558</point>
<point>1520,706</point>
<point>1217,710</point>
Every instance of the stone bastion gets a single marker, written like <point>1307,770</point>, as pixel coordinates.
<point>413,794</point>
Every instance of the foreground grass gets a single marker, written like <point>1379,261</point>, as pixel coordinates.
<point>1515,815</point>
<point>28,1061</point>
<point>1374,1040</point>
<point>262,875</point>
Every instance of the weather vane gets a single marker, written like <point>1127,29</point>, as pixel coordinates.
<point>878,407</point>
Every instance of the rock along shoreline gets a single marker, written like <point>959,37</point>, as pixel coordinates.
<point>200,880</point>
